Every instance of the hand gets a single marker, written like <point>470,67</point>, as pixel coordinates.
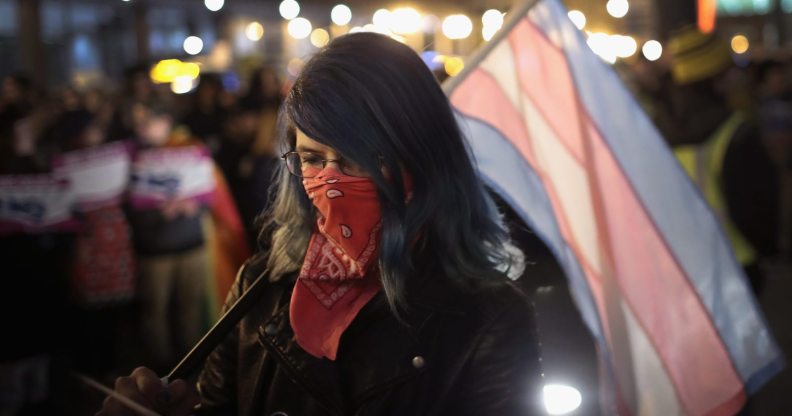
<point>176,207</point>
<point>145,388</point>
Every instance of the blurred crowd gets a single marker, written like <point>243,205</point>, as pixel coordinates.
<point>728,120</point>
<point>123,218</point>
<point>134,276</point>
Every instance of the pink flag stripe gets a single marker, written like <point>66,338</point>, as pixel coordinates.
<point>503,115</point>
<point>543,75</point>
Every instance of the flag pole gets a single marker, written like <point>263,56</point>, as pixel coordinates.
<point>514,16</point>
<point>200,352</point>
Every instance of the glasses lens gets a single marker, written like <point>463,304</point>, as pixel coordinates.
<point>293,164</point>
<point>353,169</point>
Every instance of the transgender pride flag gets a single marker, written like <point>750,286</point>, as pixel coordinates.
<point>556,134</point>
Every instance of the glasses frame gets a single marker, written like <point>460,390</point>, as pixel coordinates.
<point>341,163</point>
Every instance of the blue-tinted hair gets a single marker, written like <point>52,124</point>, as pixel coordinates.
<point>374,101</point>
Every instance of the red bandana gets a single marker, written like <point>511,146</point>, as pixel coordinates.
<point>333,285</point>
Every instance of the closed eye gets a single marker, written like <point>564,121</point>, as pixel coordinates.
<point>310,159</point>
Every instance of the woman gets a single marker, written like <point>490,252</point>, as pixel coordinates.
<point>385,295</point>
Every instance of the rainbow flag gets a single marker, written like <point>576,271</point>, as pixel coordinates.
<point>558,136</point>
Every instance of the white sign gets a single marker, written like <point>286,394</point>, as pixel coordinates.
<point>164,174</point>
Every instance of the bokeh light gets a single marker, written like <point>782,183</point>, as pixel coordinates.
<point>382,18</point>
<point>193,45</point>
<point>625,46</point>
<point>740,43</point>
<point>405,21</point>
<point>182,85</point>
<point>652,50</point>
<point>214,5</point>
<point>560,399</point>
<point>453,66</point>
<point>487,32</point>
<point>299,28</point>
<point>578,18</point>
<point>168,70</point>
<point>254,31</point>
<point>341,14</point>
<point>603,46</point>
<point>617,8</point>
<point>294,66</point>
<point>492,17</point>
<point>289,9</point>
<point>457,26</point>
<point>319,37</point>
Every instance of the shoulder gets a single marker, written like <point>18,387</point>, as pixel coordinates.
<point>482,305</point>
<point>252,269</point>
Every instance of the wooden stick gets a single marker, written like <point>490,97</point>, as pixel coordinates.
<point>137,407</point>
<point>198,354</point>
<point>514,16</point>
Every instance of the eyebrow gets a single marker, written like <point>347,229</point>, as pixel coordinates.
<point>303,148</point>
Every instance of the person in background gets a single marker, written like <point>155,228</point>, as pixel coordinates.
<point>721,149</point>
<point>206,117</point>
<point>386,290</point>
<point>34,293</point>
<point>171,251</point>
<point>137,88</point>
<point>265,89</point>
<point>775,118</point>
<point>17,97</point>
<point>103,279</point>
<point>248,151</point>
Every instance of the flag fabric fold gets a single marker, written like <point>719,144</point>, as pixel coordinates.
<point>558,136</point>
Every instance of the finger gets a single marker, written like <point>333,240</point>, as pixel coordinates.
<point>177,389</point>
<point>127,387</point>
<point>172,393</point>
<point>148,383</point>
<point>185,398</point>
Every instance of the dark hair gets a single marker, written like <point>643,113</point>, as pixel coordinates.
<point>255,97</point>
<point>156,107</point>
<point>373,100</point>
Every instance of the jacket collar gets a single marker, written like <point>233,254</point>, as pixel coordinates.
<point>377,348</point>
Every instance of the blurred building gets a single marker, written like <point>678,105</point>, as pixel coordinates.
<point>87,41</point>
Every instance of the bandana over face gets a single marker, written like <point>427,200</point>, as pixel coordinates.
<point>333,284</point>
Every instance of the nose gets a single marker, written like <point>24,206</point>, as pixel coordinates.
<point>333,164</point>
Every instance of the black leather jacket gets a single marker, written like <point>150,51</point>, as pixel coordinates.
<point>458,353</point>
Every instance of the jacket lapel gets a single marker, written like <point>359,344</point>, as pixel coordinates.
<point>319,377</point>
<point>376,352</point>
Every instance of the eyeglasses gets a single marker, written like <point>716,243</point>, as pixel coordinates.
<point>307,165</point>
